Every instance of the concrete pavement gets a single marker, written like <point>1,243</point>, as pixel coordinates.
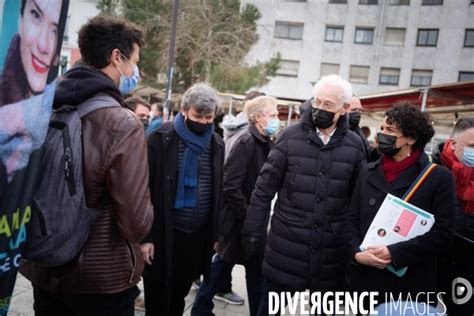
<point>22,301</point>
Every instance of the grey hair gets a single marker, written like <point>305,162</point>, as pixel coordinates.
<point>335,81</point>
<point>258,105</point>
<point>202,97</point>
<point>462,125</point>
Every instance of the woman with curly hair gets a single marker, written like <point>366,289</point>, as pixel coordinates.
<point>403,136</point>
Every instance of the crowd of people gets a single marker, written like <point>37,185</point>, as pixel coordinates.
<point>178,202</point>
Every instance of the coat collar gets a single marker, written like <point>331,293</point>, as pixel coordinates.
<point>377,178</point>
<point>254,131</point>
<point>168,133</point>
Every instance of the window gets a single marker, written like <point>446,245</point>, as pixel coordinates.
<point>389,76</point>
<point>427,37</point>
<point>399,2</point>
<point>288,68</point>
<point>394,36</point>
<point>289,30</point>
<point>359,74</point>
<point>368,1</point>
<point>469,38</point>
<point>338,1</point>
<point>364,35</point>
<point>432,2</point>
<point>421,77</point>
<point>329,69</point>
<point>466,76</point>
<point>334,33</point>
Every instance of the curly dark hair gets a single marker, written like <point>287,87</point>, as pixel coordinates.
<point>102,34</point>
<point>412,123</point>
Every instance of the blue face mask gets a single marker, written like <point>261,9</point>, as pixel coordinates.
<point>127,84</point>
<point>468,157</point>
<point>272,127</point>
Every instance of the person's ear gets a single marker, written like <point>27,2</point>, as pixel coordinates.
<point>115,57</point>
<point>345,108</point>
<point>411,141</point>
<point>453,143</point>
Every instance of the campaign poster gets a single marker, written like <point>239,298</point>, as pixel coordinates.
<point>30,45</point>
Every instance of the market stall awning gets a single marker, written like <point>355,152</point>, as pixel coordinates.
<point>437,96</point>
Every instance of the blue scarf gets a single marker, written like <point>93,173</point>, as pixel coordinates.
<point>188,173</point>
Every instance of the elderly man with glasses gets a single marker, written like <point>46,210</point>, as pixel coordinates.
<point>313,167</point>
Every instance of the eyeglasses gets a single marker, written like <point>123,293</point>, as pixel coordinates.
<point>327,105</point>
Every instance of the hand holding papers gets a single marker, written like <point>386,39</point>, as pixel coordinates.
<point>397,221</point>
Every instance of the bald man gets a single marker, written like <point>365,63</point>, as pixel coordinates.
<point>355,113</point>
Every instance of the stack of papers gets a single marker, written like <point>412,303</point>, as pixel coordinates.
<point>396,221</point>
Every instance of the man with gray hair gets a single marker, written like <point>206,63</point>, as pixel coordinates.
<point>313,167</point>
<point>186,159</point>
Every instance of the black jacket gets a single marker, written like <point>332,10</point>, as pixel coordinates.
<point>435,195</point>
<point>241,170</point>
<point>367,148</point>
<point>314,181</point>
<point>163,161</point>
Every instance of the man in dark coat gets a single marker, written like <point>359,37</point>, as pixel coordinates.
<point>457,155</point>
<point>241,170</point>
<point>355,113</point>
<point>186,159</point>
<point>313,167</point>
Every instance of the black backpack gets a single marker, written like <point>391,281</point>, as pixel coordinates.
<point>60,220</point>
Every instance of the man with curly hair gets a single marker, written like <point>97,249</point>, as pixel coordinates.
<point>102,279</point>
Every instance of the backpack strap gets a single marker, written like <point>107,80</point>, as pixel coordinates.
<point>419,180</point>
<point>98,101</point>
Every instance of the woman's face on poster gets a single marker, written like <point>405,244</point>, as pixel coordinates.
<point>38,32</point>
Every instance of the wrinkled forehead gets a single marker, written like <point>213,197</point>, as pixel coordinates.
<point>329,93</point>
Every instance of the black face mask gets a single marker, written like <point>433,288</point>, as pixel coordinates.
<point>354,119</point>
<point>197,128</point>
<point>145,123</point>
<point>386,144</point>
<point>321,118</point>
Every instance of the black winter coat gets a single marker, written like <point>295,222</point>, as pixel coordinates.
<point>435,195</point>
<point>241,170</point>
<point>164,171</point>
<point>305,247</point>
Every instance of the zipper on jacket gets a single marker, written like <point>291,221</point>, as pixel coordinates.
<point>133,259</point>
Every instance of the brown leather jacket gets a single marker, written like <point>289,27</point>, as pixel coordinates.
<point>116,181</point>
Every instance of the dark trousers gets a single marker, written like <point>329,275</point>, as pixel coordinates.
<point>269,286</point>
<point>226,283</point>
<point>203,304</point>
<point>118,304</point>
<point>189,250</point>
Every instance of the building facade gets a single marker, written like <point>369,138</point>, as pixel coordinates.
<point>378,45</point>
<point>79,12</point>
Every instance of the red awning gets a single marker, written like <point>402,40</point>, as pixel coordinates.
<point>445,95</point>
